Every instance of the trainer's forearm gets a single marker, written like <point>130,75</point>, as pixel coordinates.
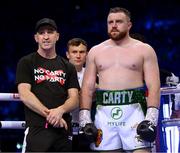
<point>32,102</point>
<point>70,104</point>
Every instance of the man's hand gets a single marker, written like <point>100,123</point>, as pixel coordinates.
<point>146,131</point>
<point>90,131</point>
<point>55,117</point>
<point>62,123</point>
<point>87,128</point>
<point>147,128</point>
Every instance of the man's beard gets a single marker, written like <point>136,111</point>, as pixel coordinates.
<point>118,36</point>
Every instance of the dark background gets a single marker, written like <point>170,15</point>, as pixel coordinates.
<point>157,20</point>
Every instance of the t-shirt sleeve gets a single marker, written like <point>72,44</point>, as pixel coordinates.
<point>72,78</point>
<point>23,71</point>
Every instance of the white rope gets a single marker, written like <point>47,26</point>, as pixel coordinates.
<point>15,96</point>
<point>169,90</point>
<point>9,97</point>
<point>12,124</point>
<point>171,122</point>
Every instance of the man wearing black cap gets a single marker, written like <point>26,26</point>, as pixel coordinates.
<point>48,86</point>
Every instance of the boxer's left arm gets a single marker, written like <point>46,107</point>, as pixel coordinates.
<point>152,80</point>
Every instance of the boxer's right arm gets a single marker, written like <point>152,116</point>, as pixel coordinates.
<point>88,84</point>
<point>30,100</point>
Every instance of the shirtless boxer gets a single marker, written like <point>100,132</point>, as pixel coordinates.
<point>124,66</point>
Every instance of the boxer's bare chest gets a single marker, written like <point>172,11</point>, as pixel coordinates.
<point>118,57</point>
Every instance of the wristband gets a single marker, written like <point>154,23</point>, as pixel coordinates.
<point>152,115</point>
<point>84,117</point>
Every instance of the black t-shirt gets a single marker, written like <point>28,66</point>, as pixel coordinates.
<point>50,79</point>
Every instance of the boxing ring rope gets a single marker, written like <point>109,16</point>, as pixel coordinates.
<point>12,124</point>
<point>9,97</point>
<point>21,124</point>
<point>169,90</point>
<point>15,96</point>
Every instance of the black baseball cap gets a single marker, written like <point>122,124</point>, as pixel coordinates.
<point>45,21</point>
